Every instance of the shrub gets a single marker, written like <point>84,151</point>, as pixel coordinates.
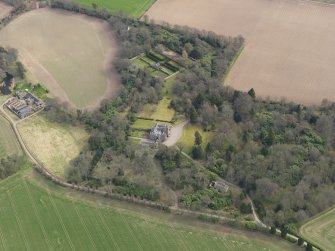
<point>300,241</point>
<point>250,225</point>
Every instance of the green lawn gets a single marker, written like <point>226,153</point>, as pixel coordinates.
<point>161,111</point>
<point>144,124</point>
<point>8,143</point>
<point>187,140</point>
<point>135,8</point>
<point>321,230</point>
<point>39,90</point>
<point>36,215</point>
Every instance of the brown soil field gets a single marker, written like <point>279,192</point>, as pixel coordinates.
<point>4,9</point>
<point>290,44</point>
<point>69,53</point>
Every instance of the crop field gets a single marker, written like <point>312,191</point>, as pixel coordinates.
<point>4,9</point>
<point>32,217</point>
<point>134,8</point>
<point>289,49</point>
<point>52,143</point>
<point>321,230</point>
<point>73,65</point>
<point>8,143</point>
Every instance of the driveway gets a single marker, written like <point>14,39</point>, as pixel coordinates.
<point>176,133</point>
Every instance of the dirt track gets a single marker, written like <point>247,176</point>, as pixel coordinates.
<point>290,44</point>
<point>4,9</point>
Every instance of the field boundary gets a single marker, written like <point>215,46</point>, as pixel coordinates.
<point>232,63</point>
<point>311,221</point>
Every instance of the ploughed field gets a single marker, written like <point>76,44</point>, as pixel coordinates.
<point>289,48</point>
<point>4,9</point>
<point>32,217</point>
<point>70,54</point>
<point>321,230</point>
<point>134,8</point>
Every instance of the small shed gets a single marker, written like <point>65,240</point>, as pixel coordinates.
<point>221,187</point>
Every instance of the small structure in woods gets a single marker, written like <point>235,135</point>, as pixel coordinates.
<point>221,187</point>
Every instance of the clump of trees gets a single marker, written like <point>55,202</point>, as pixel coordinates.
<point>10,165</point>
<point>9,65</point>
<point>14,3</point>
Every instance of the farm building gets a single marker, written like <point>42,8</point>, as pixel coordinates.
<point>221,187</point>
<point>19,107</point>
<point>159,133</point>
<point>24,103</point>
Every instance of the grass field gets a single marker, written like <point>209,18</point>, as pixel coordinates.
<point>283,56</point>
<point>8,143</point>
<point>135,8</point>
<point>36,216</point>
<point>187,140</point>
<point>321,230</point>
<point>73,65</point>
<point>53,144</point>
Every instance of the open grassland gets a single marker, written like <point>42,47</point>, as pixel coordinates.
<point>73,65</point>
<point>35,218</point>
<point>8,143</point>
<point>134,8</point>
<point>187,140</point>
<point>4,9</point>
<point>289,48</point>
<point>52,143</point>
<point>321,230</point>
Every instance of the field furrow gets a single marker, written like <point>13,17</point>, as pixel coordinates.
<point>18,222</point>
<point>83,224</point>
<point>40,223</point>
<point>105,226</point>
<point>130,230</point>
<point>60,219</point>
